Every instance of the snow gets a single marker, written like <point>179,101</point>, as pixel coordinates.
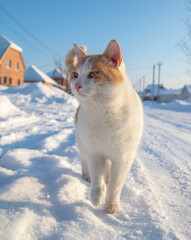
<point>36,75</point>
<point>5,43</point>
<point>3,87</point>
<point>42,194</point>
<point>6,107</point>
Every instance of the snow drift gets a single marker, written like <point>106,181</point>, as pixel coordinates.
<point>6,107</point>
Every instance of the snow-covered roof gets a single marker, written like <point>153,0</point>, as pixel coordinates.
<point>150,87</point>
<point>57,73</point>
<point>171,91</point>
<point>36,75</point>
<point>162,91</point>
<point>5,43</point>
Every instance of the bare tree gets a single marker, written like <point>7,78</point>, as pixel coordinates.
<point>186,43</point>
<point>59,65</point>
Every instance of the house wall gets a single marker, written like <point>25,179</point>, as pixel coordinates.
<point>48,84</point>
<point>45,83</point>
<point>185,93</point>
<point>60,81</point>
<point>165,98</point>
<point>14,77</point>
<point>64,83</point>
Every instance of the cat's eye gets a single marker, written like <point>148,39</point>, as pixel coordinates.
<point>92,74</point>
<point>75,75</point>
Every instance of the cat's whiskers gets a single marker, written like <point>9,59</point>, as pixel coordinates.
<point>93,106</point>
<point>98,102</point>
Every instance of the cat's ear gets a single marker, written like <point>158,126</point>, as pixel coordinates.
<point>80,51</point>
<point>113,53</point>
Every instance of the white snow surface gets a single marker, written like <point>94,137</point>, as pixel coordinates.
<point>42,194</point>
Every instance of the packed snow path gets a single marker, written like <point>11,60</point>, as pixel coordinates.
<point>42,194</point>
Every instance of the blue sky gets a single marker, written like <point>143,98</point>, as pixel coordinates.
<point>146,30</point>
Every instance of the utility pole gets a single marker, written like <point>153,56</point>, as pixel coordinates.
<point>140,86</point>
<point>159,69</point>
<point>143,86</point>
<point>153,87</point>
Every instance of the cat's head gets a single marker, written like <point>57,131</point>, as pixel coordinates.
<point>97,76</point>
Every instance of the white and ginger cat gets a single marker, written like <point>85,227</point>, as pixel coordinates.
<point>109,121</point>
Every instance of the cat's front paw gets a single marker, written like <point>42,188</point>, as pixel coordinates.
<point>98,195</point>
<point>112,207</point>
<point>86,177</point>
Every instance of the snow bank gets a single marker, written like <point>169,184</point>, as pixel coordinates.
<point>17,158</point>
<point>3,87</point>
<point>6,107</point>
<point>38,92</point>
<point>175,105</point>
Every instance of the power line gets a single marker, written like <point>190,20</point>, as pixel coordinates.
<point>136,69</point>
<point>28,32</point>
<point>23,39</point>
<point>44,66</point>
<point>175,46</point>
<point>172,50</point>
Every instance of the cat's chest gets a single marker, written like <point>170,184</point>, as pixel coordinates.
<point>102,131</point>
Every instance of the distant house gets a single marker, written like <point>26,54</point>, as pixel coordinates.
<point>169,95</point>
<point>60,77</point>
<point>33,75</point>
<point>151,91</point>
<point>186,92</point>
<point>12,64</point>
<point>176,94</point>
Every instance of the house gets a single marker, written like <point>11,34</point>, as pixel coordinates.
<point>186,92</point>
<point>152,91</point>
<point>33,75</point>
<point>176,94</point>
<point>169,95</point>
<point>60,77</point>
<point>12,65</point>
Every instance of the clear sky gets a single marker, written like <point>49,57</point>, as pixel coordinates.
<point>147,31</point>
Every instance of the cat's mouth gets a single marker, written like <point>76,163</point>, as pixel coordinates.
<point>81,94</point>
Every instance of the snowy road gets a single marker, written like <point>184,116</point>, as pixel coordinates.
<point>42,195</point>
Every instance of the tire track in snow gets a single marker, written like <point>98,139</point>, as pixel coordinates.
<point>166,163</point>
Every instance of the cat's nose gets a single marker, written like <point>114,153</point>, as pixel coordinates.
<point>78,86</point>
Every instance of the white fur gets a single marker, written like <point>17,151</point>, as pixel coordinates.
<point>108,131</point>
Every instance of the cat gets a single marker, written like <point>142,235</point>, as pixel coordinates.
<point>108,121</point>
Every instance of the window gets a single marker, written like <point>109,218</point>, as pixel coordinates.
<point>10,81</point>
<point>8,63</point>
<point>17,66</point>
<point>19,82</point>
<point>5,80</point>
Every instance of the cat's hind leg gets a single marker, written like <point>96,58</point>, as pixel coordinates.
<point>107,170</point>
<point>84,161</point>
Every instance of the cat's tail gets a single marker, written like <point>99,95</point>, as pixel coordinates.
<point>70,59</point>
